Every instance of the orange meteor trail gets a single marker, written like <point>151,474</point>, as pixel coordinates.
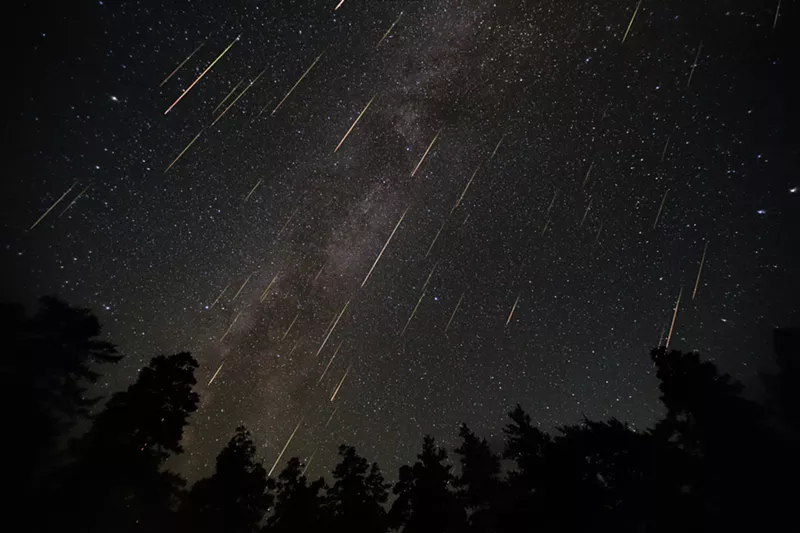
<point>182,64</point>
<point>253,190</point>
<point>52,206</point>
<point>290,326</point>
<point>201,75</point>
<point>454,313</point>
<point>700,271</point>
<point>240,288</point>
<point>321,346</point>
<point>75,199</point>
<point>286,446</point>
<point>512,310</point>
<point>384,247</point>
<point>425,154</point>
<point>339,386</point>
<point>215,373</point>
<point>354,124</point>
<point>230,327</point>
<point>220,296</point>
<point>264,294</point>
<point>184,150</point>
<point>329,363</point>
<point>240,95</point>
<point>674,316</point>
<point>385,35</point>
<point>660,208</point>
<point>228,96</point>
<point>297,83</point>
<point>635,11</point>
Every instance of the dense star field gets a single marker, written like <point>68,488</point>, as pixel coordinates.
<point>539,182</point>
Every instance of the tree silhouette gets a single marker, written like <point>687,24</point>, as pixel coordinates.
<point>298,505</point>
<point>357,496</point>
<point>235,498</point>
<point>117,481</point>
<point>477,486</point>
<point>425,503</point>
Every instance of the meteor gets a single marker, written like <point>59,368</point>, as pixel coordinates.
<point>354,123</point>
<point>293,348</point>
<point>696,57</point>
<point>605,111</point>
<point>597,237</point>
<point>230,327</point>
<point>287,222</point>
<point>290,326</point>
<point>331,417</point>
<point>674,316</point>
<point>664,152</point>
<point>635,11</point>
<point>329,363</point>
<point>220,296</point>
<point>320,271</point>
<point>215,373</point>
<point>201,75</point>
<point>700,270</point>
<point>421,296</point>
<point>512,310</point>
<point>384,247</point>
<point>552,203</point>
<point>253,190</point>
<point>264,294</point>
<point>182,64</point>
<point>240,95</point>
<point>321,346</point>
<point>454,313</point>
<point>586,212</point>
<point>496,147</point>
<point>546,225</point>
<point>338,5</point>
<point>339,386</point>
<point>228,96</point>
<point>385,35</point>
<point>425,154</point>
<point>240,288</point>
<point>586,179</point>
<point>52,206</point>
<point>285,446</point>
<point>303,473</point>
<point>75,199</point>
<point>777,12</point>
<point>184,150</point>
<point>660,208</point>
<point>465,190</point>
<point>436,238</point>
<point>296,84</point>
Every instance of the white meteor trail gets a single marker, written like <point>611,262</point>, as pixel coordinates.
<point>458,202</point>
<point>52,206</point>
<point>291,217</point>
<point>253,190</point>
<point>215,373</point>
<point>341,382</point>
<point>228,96</point>
<point>230,327</point>
<point>664,152</point>
<point>240,95</point>
<point>586,179</point>
<point>290,326</point>
<point>436,238</point>
<point>384,247</point>
<point>331,417</point>
<point>700,271</point>
<point>426,153</point>
<point>385,35</point>
<point>354,124</point>
<point>694,65</point>
<point>220,296</point>
<point>329,363</point>
<point>452,316</point>
<point>74,200</point>
<point>284,447</point>
<point>674,316</point>
<point>497,146</point>
<point>182,64</point>
<point>266,291</point>
<point>240,288</point>
<point>512,310</point>
<point>321,346</point>
<point>296,84</point>
<point>660,208</point>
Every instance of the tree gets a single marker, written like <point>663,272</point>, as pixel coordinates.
<point>298,505</point>
<point>356,498</point>
<point>425,503</point>
<point>117,481</point>
<point>477,486</point>
<point>235,498</point>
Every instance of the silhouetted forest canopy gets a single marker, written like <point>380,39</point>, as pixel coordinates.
<point>716,461</point>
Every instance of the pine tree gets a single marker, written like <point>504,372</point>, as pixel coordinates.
<point>298,505</point>
<point>235,498</point>
<point>477,486</point>
<point>358,494</point>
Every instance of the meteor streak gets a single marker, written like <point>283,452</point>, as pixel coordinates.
<point>320,271</point>
<point>290,326</point>
<point>240,95</point>
<point>452,316</point>
<point>425,154</point>
<point>385,35</point>
<point>512,310</point>
<point>230,327</point>
<point>321,346</point>
<point>597,237</point>
<point>339,386</point>
<point>182,64</point>
<point>354,124</point>
<point>586,179</point>
<point>436,237</point>
<point>253,190</point>
<point>496,147</point>
<point>201,75</point>
<point>287,222</point>
<point>184,150</point>
<point>297,83</point>
<point>240,288</point>
<point>227,96</point>
<point>465,190</point>
<point>674,316</point>
<point>421,296</point>
<point>635,11</point>
<point>664,152</point>
<point>293,348</point>
<point>694,65</point>
<point>52,206</point>
<point>329,363</point>
<point>660,208</point>
<point>586,212</point>
<point>215,373</point>
<point>552,203</point>
<point>75,199</point>
<point>264,294</point>
<point>220,296</point>
<point>338,5</point>
<point>331,417</point>
<point>777,12</point>
<point>546,225</point>
<point>303,473</point>
<point>384,247</point>
<point>285,446</point>
<point>700,271</point>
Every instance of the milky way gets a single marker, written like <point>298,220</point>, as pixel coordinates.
<point>565,186</point>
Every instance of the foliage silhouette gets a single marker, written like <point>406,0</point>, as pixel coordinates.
<point>356,499</point>
<point>299,506</point>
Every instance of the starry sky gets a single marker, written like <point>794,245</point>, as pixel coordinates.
<point>539,180</point>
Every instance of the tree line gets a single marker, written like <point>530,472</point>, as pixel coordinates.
<point>716,461</point>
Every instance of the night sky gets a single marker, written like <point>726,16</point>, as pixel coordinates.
<point>565,204</point>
